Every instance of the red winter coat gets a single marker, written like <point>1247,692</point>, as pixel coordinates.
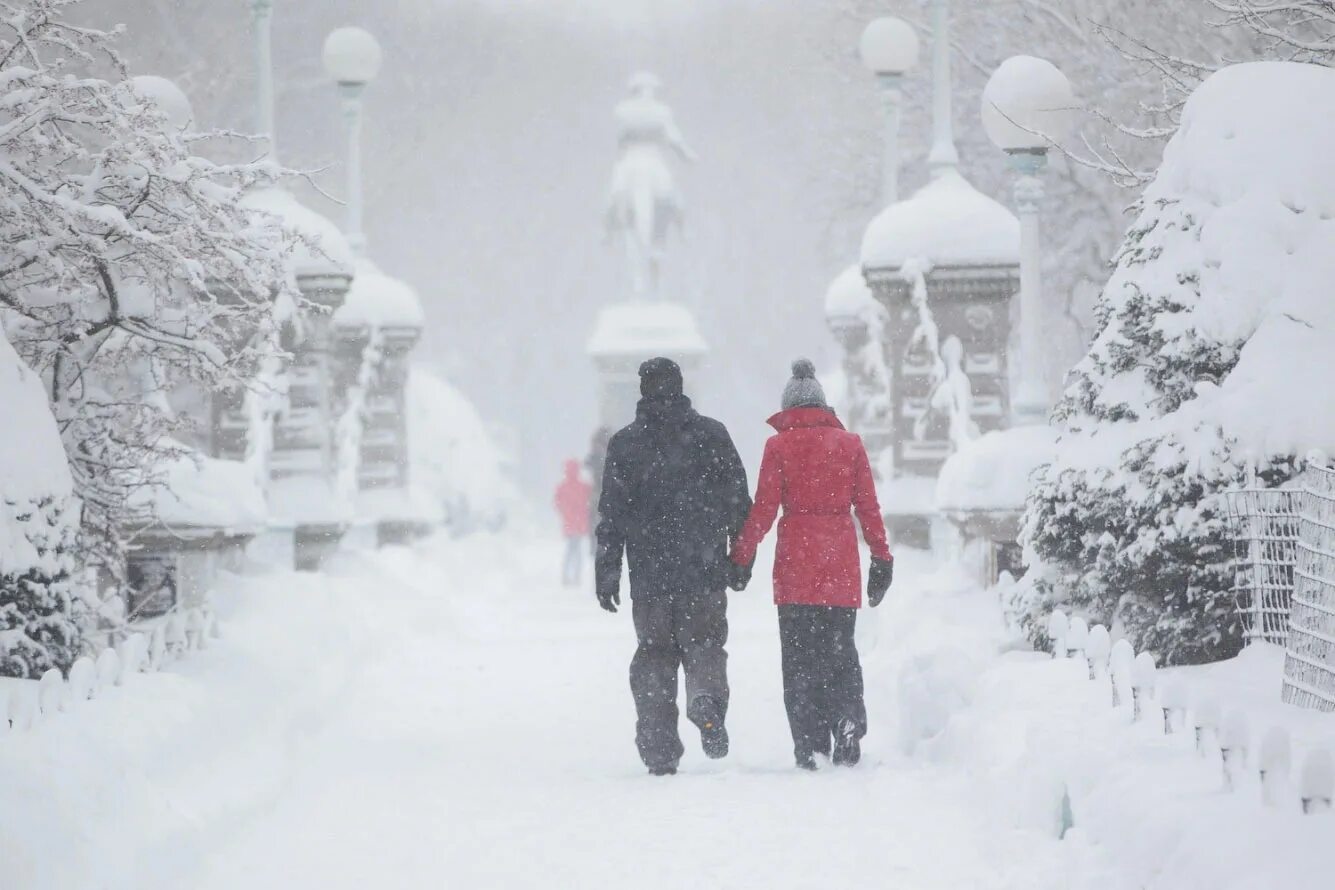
<point>572,502</point>
<point>818,472</point>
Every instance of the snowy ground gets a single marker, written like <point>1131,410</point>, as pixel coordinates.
<point>395,725</point>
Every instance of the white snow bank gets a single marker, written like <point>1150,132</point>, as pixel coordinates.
<point>379,300</point>
<point>992,472</point>
<point>1027,729</point>
<point>33,466</point>
<point>1251,162</point>
<point>204,492</point>
<point>146,780</point>
<point>646,329</point>
<point>306,500</point>
<point>946,222</point>
<point>454,461</point>
<point>323,249</point>
<point>412,504</point>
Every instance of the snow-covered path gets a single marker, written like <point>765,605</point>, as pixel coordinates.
<point>484,740</point>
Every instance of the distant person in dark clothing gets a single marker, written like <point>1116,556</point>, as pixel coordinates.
<point>821,477</point>
<point>572,503</point>
<point>674,495</point>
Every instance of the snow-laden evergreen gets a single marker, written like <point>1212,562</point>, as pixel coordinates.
<point>1216,322</point>
<point>39,521</point>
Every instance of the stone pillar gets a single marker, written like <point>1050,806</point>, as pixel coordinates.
<point>628,334</point>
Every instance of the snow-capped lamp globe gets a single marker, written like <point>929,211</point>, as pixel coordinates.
<point>889,45</point>
<point>352,60</point>
<point>1028,105</point>
<point>169,99</point>
<point>889,48</point>
<point>351,56</point>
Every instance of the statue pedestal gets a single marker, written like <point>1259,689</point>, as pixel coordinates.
<point>628,334</point>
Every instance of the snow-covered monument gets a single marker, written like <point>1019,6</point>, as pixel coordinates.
<point>926,344</point>
<point>644,206</point>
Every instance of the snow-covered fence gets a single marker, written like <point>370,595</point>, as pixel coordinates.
<point>1264,526</point>
<point>24,702</point>
<point>1309,663</point>
<point>1284,542</point>
<point>1214,730</point>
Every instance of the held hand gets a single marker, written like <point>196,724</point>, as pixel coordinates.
<point>879,577</point>
<point>738,576</point>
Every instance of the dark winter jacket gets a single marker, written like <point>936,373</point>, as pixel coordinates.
<point>819,474</point>
<point>674,494</point>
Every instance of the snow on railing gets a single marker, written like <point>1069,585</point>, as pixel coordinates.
<point>1264,525</point>
<point>1135,677</point>
<point>1285,577</point>
<point>23,704</point>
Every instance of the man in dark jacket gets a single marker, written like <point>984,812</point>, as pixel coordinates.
<point>674,495</point>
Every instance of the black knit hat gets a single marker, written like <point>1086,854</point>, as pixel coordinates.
<point>660,378</point>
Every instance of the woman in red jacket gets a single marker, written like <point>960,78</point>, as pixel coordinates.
<point>819,473</point>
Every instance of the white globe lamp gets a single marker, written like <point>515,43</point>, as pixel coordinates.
<point>1028,105</point>
<point>889,45</point>
<point>351,56</point>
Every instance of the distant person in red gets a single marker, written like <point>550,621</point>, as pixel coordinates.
<point>573,497</point>
<point>820,476</point>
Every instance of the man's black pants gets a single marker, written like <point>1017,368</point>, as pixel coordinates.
<point>689,630</point>
<point>822,677</point>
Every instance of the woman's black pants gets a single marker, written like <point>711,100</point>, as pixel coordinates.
<point>822,677</point>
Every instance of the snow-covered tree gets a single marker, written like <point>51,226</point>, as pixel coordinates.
<point>1215,312</point>
<point>39,522</point>
<point>127,264</point>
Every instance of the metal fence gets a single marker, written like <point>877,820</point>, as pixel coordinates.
<point>1265,530</point>
<point>1309,663</point>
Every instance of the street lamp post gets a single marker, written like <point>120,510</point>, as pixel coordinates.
<point>264,115</point>
<point>1027,106</point>
<point>944,156</point>
<point>352,59</point>
<point>889,48</point>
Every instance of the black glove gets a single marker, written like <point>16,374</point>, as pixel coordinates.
<point>738,576</point>
<point>609,594</point>
<point>879,576</point>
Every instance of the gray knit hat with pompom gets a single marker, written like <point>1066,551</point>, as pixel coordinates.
<point>803,391</point>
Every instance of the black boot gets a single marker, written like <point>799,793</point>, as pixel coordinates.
<point>705,713</point>
<point>807,761</point>
<point>847,748</point>
<point>665,770</point>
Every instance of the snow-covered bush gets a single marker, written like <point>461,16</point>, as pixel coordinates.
<point>127,265</point>
<point>453,457</point>
<point>39,518</point>
<point>1216,315</point>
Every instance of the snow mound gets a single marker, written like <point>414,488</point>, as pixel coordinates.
<point>306,500</point>
<point>33,467</point>
<point>327,252</point>
<point>454,461</point>
<point>379,300</point>
<point>204,492</point>
<point>947,222</point>
<point>646,329</point>
<point>1254,161</point>
<point>992,472</point>
<point>849,296</point>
